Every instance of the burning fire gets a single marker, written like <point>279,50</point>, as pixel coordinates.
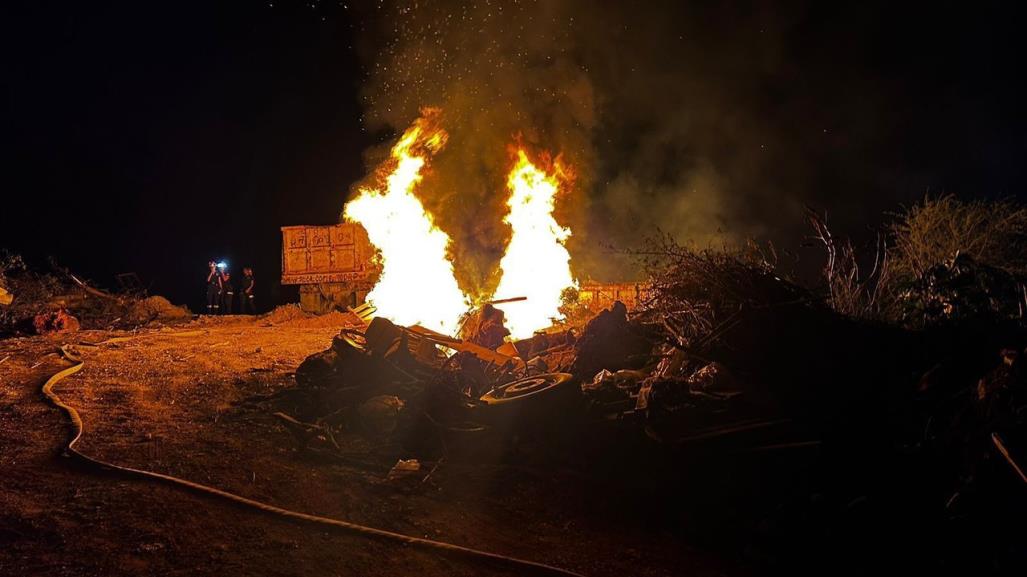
<point>536,263</point>
<point>417,284</point>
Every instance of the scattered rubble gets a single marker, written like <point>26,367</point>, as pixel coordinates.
<point>388,377</point>
<point>745,365</point>
<point>58,321</point>
<point>35,302</point>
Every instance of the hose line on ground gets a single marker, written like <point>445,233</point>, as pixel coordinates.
<point>76,435</point>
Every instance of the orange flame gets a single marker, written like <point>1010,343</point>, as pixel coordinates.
<point>417,284</point>
<point>536,263</point>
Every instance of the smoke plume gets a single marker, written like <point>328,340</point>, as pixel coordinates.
<point>668,122</point>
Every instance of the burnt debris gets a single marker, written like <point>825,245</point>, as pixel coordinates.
<point>751,371</point>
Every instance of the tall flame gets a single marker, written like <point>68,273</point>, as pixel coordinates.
<point>536,263</point>
<point>417,284</point>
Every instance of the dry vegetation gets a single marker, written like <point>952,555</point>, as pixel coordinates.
<point>938,260</point>
<point>698,294</point>
<point>853,290</point>
<point>941,261</point>
<point>993,233</point>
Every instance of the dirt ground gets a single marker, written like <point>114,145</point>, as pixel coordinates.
<point>195,406</point>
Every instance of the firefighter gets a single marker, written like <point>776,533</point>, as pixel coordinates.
<point>213,289</point>
<point>246,296</point>
<point>228,292</point>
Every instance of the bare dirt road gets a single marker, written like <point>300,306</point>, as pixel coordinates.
<point>193,406</point>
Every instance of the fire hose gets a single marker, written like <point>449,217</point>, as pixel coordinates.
<point>76,435</point>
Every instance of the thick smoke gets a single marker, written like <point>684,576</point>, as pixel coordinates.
<point>673,117</point>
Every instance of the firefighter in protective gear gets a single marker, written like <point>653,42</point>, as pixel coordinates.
<point>246,294</point>
<point>227,292</point>
<point>213,289</point>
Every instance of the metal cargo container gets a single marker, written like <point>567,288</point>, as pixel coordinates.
<point>333,265</point>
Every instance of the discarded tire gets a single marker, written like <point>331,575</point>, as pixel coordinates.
<point>350,339</point>
<point>540,388</point>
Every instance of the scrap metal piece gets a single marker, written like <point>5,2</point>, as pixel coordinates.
<point>504,301</point>
<point>482,353</point>
<point>519,390</point>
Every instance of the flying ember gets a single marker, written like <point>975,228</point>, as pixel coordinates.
<point>536,263</point>
<point>417,283</point>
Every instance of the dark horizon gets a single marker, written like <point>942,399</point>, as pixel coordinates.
<point>153,137</point>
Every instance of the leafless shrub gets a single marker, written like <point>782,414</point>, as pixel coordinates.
<point>914,261</point>
<point>853,290</point>
<point>697,295</point>
<point>993,233</point>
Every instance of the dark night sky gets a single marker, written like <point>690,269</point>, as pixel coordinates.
<point>151,136</point>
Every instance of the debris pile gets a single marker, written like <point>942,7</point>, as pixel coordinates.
<point>59,301</point>
<point>960,289</point>
<point>725,356</point>
<point>387,379</point>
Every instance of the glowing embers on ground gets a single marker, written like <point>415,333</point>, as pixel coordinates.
<point>536,263</point>
<point>417,284</point>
